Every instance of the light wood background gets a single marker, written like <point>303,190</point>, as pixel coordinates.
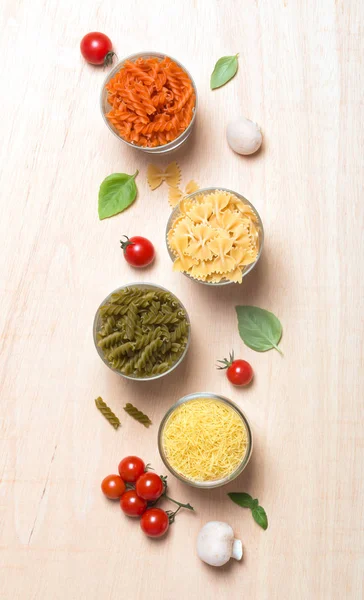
<point>301,77</point>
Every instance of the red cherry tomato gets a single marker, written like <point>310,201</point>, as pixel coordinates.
<point>130,468</point>
<point>113,487</point>
<point>132,505</point>
<point>138,251</point>
<point>149,486</point>
<point>96,48</point>
<point>239,372</point>
<point>154,522</point>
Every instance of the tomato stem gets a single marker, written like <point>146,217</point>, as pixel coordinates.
<point>226,363</point>
<point>125,244</point>
<point>180,504</point>
<point>108,60</point>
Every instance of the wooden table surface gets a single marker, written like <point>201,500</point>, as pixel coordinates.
<point>301,77</point>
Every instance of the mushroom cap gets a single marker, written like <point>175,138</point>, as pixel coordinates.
<point>244,136</point>
<point>215,543</point>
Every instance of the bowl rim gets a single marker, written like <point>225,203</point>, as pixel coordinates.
<point>218,482</point>
<point>149,286</point>
<point>174,215</point>
<point>152,54</point>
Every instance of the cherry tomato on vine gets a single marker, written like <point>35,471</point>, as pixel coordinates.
<point>149,486</point>
<point>132,505</point>
<point>239,372</point>
<point>130,468</point>
<point>96,48</point>
<point>154,522</point>
<point>113,487</point>
<point>138,251</point>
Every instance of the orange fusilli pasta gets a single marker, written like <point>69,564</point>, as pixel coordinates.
<point>152,101</point>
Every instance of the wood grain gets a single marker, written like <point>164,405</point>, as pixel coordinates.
<point>301,77</point>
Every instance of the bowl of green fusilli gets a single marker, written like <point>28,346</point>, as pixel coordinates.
<point>141,331</point>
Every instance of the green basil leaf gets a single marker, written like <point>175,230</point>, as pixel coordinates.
<point>255,503</point>
<point>258,328</point>
<point>260,517</point>
<point>117,192</point>
<point>224,70</point>
<point>242,499</point>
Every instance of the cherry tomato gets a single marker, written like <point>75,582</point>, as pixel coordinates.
<point>132,505</point>
<point>138,251</point>
<point>113,487</point>
<point>154,522</point>
<point>96,48</point>
<point>130,468</point>
<point>239,372</point>
<point>149,486</point>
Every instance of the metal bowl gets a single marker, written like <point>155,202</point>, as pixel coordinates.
<point>217,482</point>
<point>97,322</point>
<point>105,106</point>
<point>176,212</point>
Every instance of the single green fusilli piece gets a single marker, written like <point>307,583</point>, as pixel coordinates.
<point>147,353</point>
<point>131,321</point>
<point>119,351</point>
<point>138,415</point>
<point>107,412</point>
<point>111,340</point>
<point>160,318</point>
<point>180,330</point>
<point>113,309</point>
<point>162,368</point>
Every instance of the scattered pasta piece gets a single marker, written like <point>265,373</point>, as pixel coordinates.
<point>214,237</point>
<point>175,194</point>
<point>152,101</point>
<point>155,175</point>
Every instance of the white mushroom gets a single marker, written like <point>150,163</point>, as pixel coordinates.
<point>244,136</point>
<point>216,544</point>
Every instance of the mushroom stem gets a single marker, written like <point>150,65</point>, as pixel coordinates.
<point>237,549</point>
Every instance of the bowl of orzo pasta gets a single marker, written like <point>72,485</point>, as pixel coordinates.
<point>141,331</point>
<point>149,101</point>
<point>215,236</point>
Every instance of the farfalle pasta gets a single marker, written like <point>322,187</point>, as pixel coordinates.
<point>215,237</point>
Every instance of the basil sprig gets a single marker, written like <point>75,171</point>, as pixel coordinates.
<point>259,329</point>
<point>117,192</point>
<point>224,70</point>
<point>246,501</point>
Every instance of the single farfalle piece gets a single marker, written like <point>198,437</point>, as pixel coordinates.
<point>201,213</point>
<point>240,235</point>
<point>219,200</point>
<point>175,194</point>
<point>230,220</point>
<point>171,175</point>
<point>184,263</point>
<point>221,248</point>
<point>197,247</point>
<point>244,209</point>
<point>202,270</point>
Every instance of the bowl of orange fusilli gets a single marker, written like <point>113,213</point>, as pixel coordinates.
<point>214,236</point>
<point>149,101</point>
